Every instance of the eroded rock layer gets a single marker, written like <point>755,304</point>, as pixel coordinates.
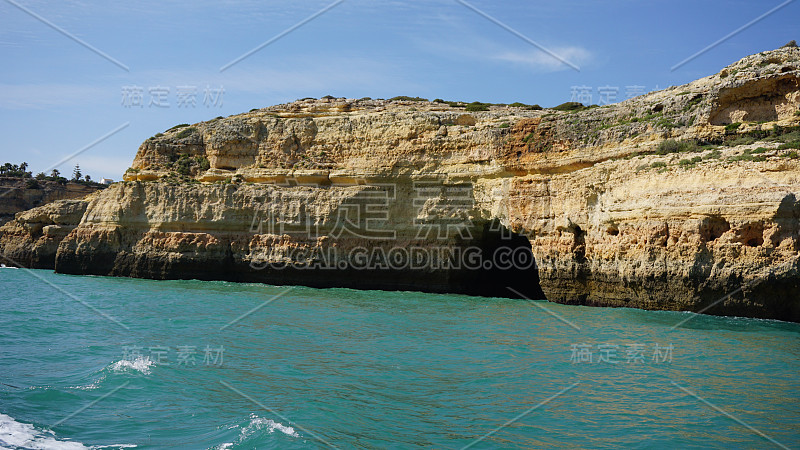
<point>682,199</point>
<point>21,194</point>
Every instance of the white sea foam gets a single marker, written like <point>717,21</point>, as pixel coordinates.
<point>18,435</point>
<point>88,387</point>
<point>260,423</point>
<point>140,364</point>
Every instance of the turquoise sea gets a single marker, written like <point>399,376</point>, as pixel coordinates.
<point>95,362</point>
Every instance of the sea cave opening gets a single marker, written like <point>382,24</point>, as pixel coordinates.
<point>508,268</point>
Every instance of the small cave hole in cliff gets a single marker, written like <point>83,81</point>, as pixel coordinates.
<point>579,243</point>
<point>755,242</point>
<point>752,234</point>
<point>711,228</point>
<point>509,267</point>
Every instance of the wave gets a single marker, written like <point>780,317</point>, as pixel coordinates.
<point>249,432</point>
<point>259,423</point>
<point>18,435</point>
<point>91,386</point>
<point>141,364</point>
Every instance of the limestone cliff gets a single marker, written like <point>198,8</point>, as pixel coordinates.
<point>32,239</point>
<point>682,199</point>
<point>20,194</point>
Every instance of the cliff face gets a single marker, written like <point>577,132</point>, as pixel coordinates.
<point>683,199</point>
<point>17,195</point>
<point>32,239</point>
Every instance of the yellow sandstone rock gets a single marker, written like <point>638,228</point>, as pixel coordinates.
<point>619,205</point>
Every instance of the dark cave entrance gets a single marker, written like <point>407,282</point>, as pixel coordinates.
<point>508,267</point>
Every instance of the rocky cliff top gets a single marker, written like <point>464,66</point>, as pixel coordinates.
<point>337,140</point>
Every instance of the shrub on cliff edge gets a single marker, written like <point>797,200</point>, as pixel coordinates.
<point>185,133</point>
<point>573,106</point>
<point>673,146</point>
<point>408,99</point>
<point>186,165</point>
<point>477,106</point>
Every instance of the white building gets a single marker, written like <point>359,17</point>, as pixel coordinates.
<point>106,181</point>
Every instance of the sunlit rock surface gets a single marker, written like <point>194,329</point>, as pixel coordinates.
<point>324,193</point>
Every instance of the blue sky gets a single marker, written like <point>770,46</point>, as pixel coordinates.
<point>57,96</point>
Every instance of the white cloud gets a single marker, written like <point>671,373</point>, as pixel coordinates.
<point>528,57</point>
<point>539,59</point>
<point>301,76</point>
<point>455,39</point>
<point>42,96</point>
<point>307,74</point>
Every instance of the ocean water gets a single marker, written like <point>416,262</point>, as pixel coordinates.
<point>95,362</point>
